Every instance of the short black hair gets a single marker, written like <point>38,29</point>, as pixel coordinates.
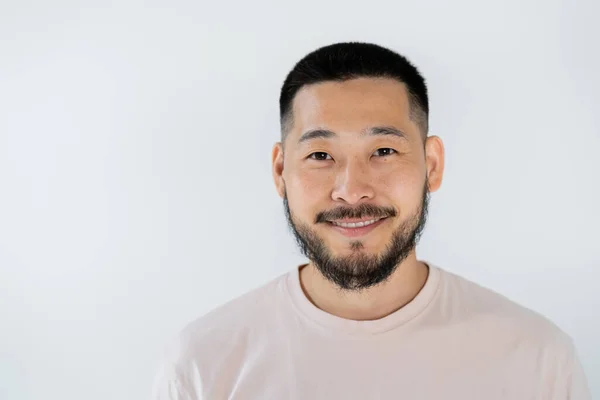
<point>349,60</point>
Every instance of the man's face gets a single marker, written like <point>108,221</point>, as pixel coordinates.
<point>354,179</point>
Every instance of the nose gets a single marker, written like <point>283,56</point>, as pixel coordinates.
<point>353,184</point>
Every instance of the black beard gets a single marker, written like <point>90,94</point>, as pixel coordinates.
<point>359,271</point>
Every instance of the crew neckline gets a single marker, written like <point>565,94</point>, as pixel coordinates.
<point>354,327</point>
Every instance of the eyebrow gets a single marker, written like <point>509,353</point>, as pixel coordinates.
<point>372,131</point>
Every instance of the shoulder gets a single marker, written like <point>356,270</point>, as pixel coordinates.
<point>230,320</point>
<point>495,325</point>
<point>498,315</point>
<point>211,342</point>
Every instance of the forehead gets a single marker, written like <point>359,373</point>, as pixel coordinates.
<point>351,105</point>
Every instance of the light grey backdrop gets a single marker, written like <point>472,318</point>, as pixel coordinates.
<point>135,184</point>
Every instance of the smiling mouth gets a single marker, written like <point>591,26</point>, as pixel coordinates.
<point>355,224</point>
<point>356,228</point>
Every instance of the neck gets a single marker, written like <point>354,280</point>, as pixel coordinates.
<point>370,304</point>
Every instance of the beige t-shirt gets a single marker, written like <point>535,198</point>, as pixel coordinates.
<point>455,340</point>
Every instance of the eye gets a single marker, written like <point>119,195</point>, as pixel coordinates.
<point>320,156</point>
<point>386,151</point>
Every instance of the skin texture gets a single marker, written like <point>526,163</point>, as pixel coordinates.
<point>352,171</point>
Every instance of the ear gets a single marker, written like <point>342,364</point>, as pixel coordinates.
<point>277,164</point>
<point>434,160</point>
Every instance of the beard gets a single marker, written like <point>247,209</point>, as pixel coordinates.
<point>359,270</point>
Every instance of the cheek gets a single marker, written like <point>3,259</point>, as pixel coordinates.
<point>307,193</point>
<point>311,184</point>
<point>404,186</point>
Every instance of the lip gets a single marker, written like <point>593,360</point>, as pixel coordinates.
<point>358,231</point>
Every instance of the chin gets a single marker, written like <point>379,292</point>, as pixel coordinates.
<point>351,247</point>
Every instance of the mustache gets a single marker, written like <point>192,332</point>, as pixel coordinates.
<point>362,211</point>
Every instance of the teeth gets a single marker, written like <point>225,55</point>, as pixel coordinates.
<point>355,224</point>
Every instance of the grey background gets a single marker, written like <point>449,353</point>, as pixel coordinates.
<point>135,183</point>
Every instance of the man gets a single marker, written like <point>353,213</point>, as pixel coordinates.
<point>365,319</point>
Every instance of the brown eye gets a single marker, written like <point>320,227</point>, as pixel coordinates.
<point>320,156</point>
<point>383,152</point>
